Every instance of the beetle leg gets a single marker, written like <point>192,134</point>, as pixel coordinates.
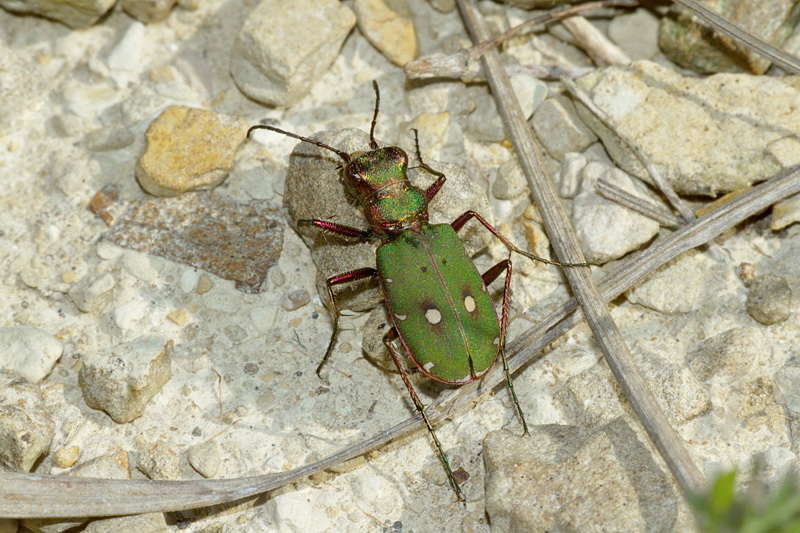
<point>347,277</point>
<point>458,223</point>
<point>338,229</point>
<point>433,188</point>
<point>488,277</point>
<point>387,340</point>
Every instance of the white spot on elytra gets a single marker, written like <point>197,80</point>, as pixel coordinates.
<point>496,341</point>
<point>387,280</point>
<point>433,316</point>
<point>469,303</point>
<point>401,317</point>
<point>427,367</point>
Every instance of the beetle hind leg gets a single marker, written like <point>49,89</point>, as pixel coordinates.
<point>387,340</point>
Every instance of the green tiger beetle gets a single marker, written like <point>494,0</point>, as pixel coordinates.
<point>437,300</point>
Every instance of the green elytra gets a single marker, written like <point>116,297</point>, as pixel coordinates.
<point>437,300</point>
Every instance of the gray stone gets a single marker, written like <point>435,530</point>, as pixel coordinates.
<point>690,44</point>
<point>75,13</point>
<point>569,175</point>
<point>735,130</point>
<point>728,356</point>
<point>148,11</point>
<point>636,32</point>
<point>484,123</point>
<point>605,229</point>
<point>768,299</point>
<point>158,460</point>
<point>92,292</point>
<point>284,47</point>
<point>510,183</point>
<point>123,379</point>
<point>26,426</point>
<point>28,352</point>
<point>151,523</point>
<point>205,458</point>
<point>559,128</point>
<point>564,478</point>
<point>677,287</point>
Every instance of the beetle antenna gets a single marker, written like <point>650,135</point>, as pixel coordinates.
<point>372,143</point>
<point>344,155</point>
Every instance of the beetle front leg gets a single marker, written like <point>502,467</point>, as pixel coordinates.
<point>347,277</point>
<point>387,340</point>
<point>338,229</point>
<point>458,223</point>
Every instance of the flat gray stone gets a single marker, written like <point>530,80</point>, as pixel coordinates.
<point>563,478</point>
<point>734,129</point>
<point>284,47</point>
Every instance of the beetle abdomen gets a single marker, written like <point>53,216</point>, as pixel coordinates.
<point>438,303</point>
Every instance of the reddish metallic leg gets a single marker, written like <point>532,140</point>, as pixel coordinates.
<point>387,340</point>
<point>347,277</point>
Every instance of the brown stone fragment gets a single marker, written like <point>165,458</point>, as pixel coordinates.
<point>238,241</point>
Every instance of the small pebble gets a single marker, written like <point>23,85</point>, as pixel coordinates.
<point>559,128</point>
<point>26,425</point>
<point>205,458</point>
<point>66,457</point>
<point>785,213</point>
<point>295,299</point>
<point>158,460</point>
<point>569,175</point>
<point>390,28</point>
<point>28,352</point>
<point>123,379</point>
<point>188,149</point>
<point>148,11</point>
<point>92,292</point>
<point>180,316</point>
<point>510,183</point>
<point>769,299</point>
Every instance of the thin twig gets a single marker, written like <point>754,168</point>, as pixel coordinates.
<point>612,192</point>
<point>562,237</point>
<point>464,63</point>
<point>596,45</point>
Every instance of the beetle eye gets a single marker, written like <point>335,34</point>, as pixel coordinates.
<point>353,172</point>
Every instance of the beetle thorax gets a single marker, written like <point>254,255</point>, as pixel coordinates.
<point>380,181</point>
